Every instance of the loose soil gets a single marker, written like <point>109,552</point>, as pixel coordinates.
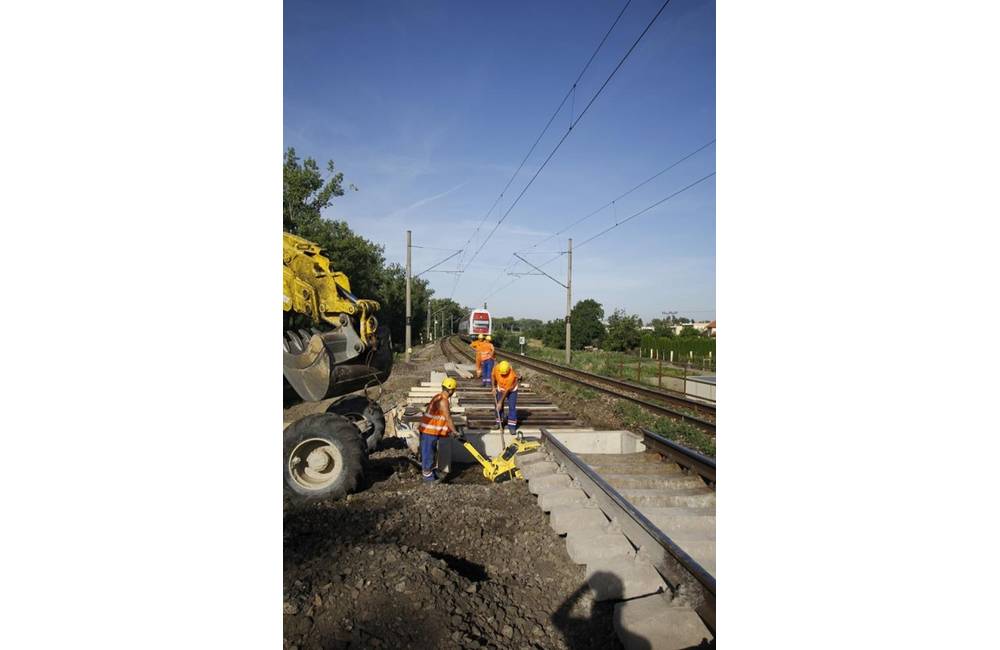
<point>402,564</point>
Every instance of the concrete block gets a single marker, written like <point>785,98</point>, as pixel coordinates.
<point>538,456</point>
<point>651,623</point>
<point>532,471</point>
<point>549,483</point>
<point>577,518</point>
<point>671,524</point>
<point>622,579</point>
<point>585,547</point>
<point>563,497</point>
<point>594,442</point>
<point>703,552</point>
<point>697,498</point>
<point>653,481</point>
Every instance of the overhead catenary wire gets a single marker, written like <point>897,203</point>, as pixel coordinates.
<point>438,264</point>
<point>568,131</point>
<point>614,201</point>
<point>646,209</point>
<point>571,91</point>
<point>612,227</point>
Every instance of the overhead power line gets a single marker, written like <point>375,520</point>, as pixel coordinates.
<point>438,264</point>
<point>569,130</point>
<point>569,92</point>
<point>622,196</point>
<point>610,228</point>
<point>644,210</point>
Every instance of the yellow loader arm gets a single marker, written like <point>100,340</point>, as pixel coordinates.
<point>345,349</point>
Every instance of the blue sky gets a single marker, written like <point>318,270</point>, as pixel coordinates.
<point>428,108</point>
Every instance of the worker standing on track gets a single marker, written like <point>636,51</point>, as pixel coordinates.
<point>436,423</point>
<point>486,355</point>
<point>505,386</point>
<point>475,345</point>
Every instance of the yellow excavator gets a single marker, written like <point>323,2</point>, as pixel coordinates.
<point>333,346</point>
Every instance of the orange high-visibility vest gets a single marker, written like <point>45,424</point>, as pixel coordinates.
<point>504,383</point>
<point>484,352</point>
<point>434,421</point>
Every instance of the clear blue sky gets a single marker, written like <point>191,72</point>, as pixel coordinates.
<point>429,107</point>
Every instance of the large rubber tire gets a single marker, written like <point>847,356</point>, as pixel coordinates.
<point>323,457</point>
<point>357,408</point>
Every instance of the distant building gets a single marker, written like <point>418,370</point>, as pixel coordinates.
<point>647,328</point>
<point>701,326</point>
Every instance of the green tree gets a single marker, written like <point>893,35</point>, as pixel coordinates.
<point>306,192</point>
<point>448,313</point>
<point>662,327</point>
<point>623,331</point>
<point>554,334</point>
<point>392,295</point>
<point>587,328</point>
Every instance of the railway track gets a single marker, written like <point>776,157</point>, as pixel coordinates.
<point>693,412</point>
<point>644,526</point>
<point>637,509</point>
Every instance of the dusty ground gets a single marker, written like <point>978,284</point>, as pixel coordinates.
<point>406,565</point>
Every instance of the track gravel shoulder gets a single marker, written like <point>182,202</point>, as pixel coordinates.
<point>402,564</point>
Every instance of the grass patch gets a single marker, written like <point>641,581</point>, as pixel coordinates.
<point>635,417</point>
<point>612,364</point>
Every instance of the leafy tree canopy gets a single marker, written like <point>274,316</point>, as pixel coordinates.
<point>587,328</point>
<point>623,331</point>
<point>306,194</point>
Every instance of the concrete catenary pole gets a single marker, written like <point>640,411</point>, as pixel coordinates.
<point>569,295</point>
<point>428,319</point>
<point>409,271</point>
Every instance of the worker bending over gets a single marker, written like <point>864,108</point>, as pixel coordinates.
<point>436,423</point>
<point>475,345</point>
<point>486,355</point>
<point>505,387</point>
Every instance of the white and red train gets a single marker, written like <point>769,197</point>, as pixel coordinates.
<point>477,322</point>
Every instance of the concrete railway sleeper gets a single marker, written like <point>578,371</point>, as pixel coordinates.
<point>637,510</point>
<point>644,526</point>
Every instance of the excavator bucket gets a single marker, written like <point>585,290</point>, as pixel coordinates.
<point>330,364</point>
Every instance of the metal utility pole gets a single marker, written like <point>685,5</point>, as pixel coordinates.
<point>409,270</point>
<point>568,286</point>
<point>569,295</point>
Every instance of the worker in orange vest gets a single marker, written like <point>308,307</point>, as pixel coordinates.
<point>435,424</point>
<point>475,345</point>
<point>505,386</point>
<point>485,355</point>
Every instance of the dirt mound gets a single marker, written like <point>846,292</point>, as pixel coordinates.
<point>460,565</point>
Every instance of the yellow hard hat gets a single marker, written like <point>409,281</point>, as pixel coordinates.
<point>449,384</point>
<point>480,337</point>
<point>504,368</point>
<point>489,338</point>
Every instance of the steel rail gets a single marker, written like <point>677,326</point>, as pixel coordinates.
<point>687,458</point>
<point>593,381</point>
<point>689,580</point>
<point>666,395</point>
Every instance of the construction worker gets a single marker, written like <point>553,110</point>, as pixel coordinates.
<point>475,345</point>
<point>436,423</point>
<point>505,387</point>
<point>486,355</point>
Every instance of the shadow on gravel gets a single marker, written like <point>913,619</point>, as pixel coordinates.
<point>578,631</point>
<point>469,570</point>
